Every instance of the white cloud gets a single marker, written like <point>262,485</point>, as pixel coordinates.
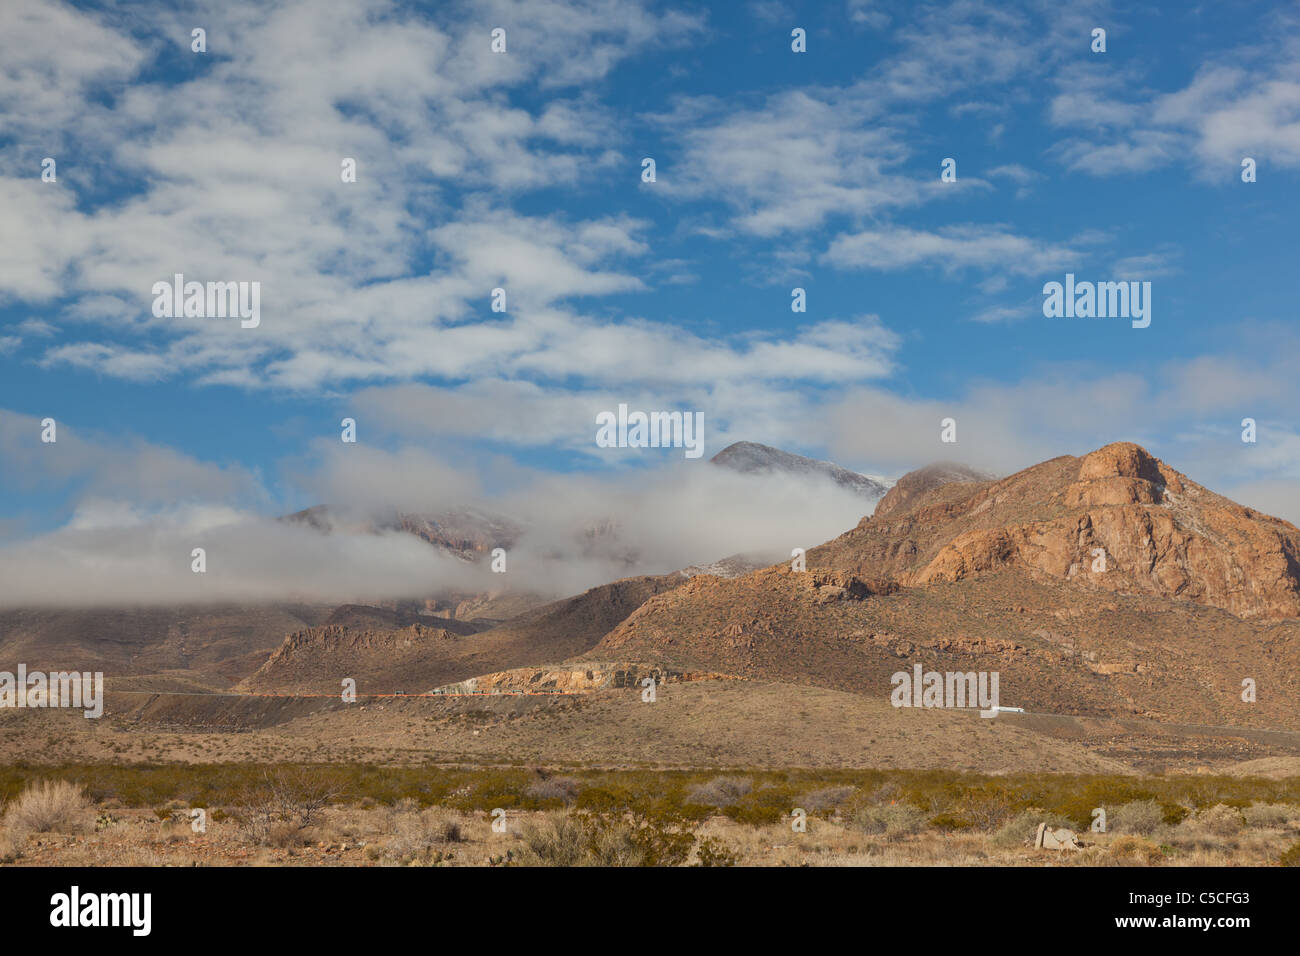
<point>951,248</point>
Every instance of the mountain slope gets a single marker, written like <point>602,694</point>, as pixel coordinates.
<point>418,656</point>
<point>1198,594</point>
<point>749,458</point>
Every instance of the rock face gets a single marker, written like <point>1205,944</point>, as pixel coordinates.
<point>1129,523</point>
<point>569,679</point>
<point>1117,519</point>
<point>749,457</point>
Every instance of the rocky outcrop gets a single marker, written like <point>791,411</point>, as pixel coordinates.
<point>915,484</point>
<point>751,458</point>
<point>1129,523</point>
<point>574,679</point>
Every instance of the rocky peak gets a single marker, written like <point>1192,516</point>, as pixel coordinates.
<point>749,457</point>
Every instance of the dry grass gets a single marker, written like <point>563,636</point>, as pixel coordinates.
<point>720,792</point>
<point>46,806</point>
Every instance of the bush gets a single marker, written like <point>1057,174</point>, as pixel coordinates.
<point>1140,817</point>
<point>950,821</point>
<point>720,792</point>
<point>713,852</point>
<point>1220,820</point>
<point>1270,815</point>
<point>12,846</point>
<point>894,820</point>
<point>828,798</point>
<point>279,807</point>
<point>563,789</point>
<point>1134,849</point>
<point>564,840</point>
<point>1291,857</point>
<point>594,840</point>
<point>47,805</point>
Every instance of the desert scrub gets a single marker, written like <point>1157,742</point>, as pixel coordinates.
<point>1138,817</point>
<point>563,839</point>
<point>1021,829</point>
<point>47,805</point>
<point>1220,820</point>
<point>720,792</point>
<point>713,852</point>
<point>762,807</point>
<point>548,791</point>
<point>279,808</point>
<point>1270,815</point>
<point>1132,849</point>
<point>1291,857</point>
<point>12,845</point>
<point>826,799</point>
<point>892,820</point>
<point>413,834</point>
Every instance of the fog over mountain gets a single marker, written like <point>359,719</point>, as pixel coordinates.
<point>562,533</point>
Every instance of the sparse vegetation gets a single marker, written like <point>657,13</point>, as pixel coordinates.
<point>893,820</point>
<point>47,805</point>
<point>1132,849</point>
<point>1136,817</point>
<point>720,792</point>
<point>439,816</point>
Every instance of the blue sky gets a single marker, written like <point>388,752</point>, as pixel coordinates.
<point>775,169</point>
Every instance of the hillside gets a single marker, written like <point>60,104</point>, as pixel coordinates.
<point>1197,594</point>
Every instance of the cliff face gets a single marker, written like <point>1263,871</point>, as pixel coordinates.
<point>1126,522</point>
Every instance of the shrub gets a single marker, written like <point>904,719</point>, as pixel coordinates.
<point>1220,820</point>
<point>1266,815</point>
<point>560,840</point>
<point>47,805</point>
<point>713,852</point>
<point>563,789</point>
<point>414,833</point>
<point>1139,816</point>
<point>720,792</point>
<point>1134,849</point>
<point>12,846</point>
<point>280,806</point>
<point>950,821</point>
<point>828,798</point>
<point>1291,857</point>
<point>894,820</point>
<point>594,840</point>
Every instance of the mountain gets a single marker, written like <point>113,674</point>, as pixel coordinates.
<point>402,655</point>
<point>749,457</point>
<point>1161,534</point>
<point>1197,594</point>
<point>924,480</point>
<point>467,533</point>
